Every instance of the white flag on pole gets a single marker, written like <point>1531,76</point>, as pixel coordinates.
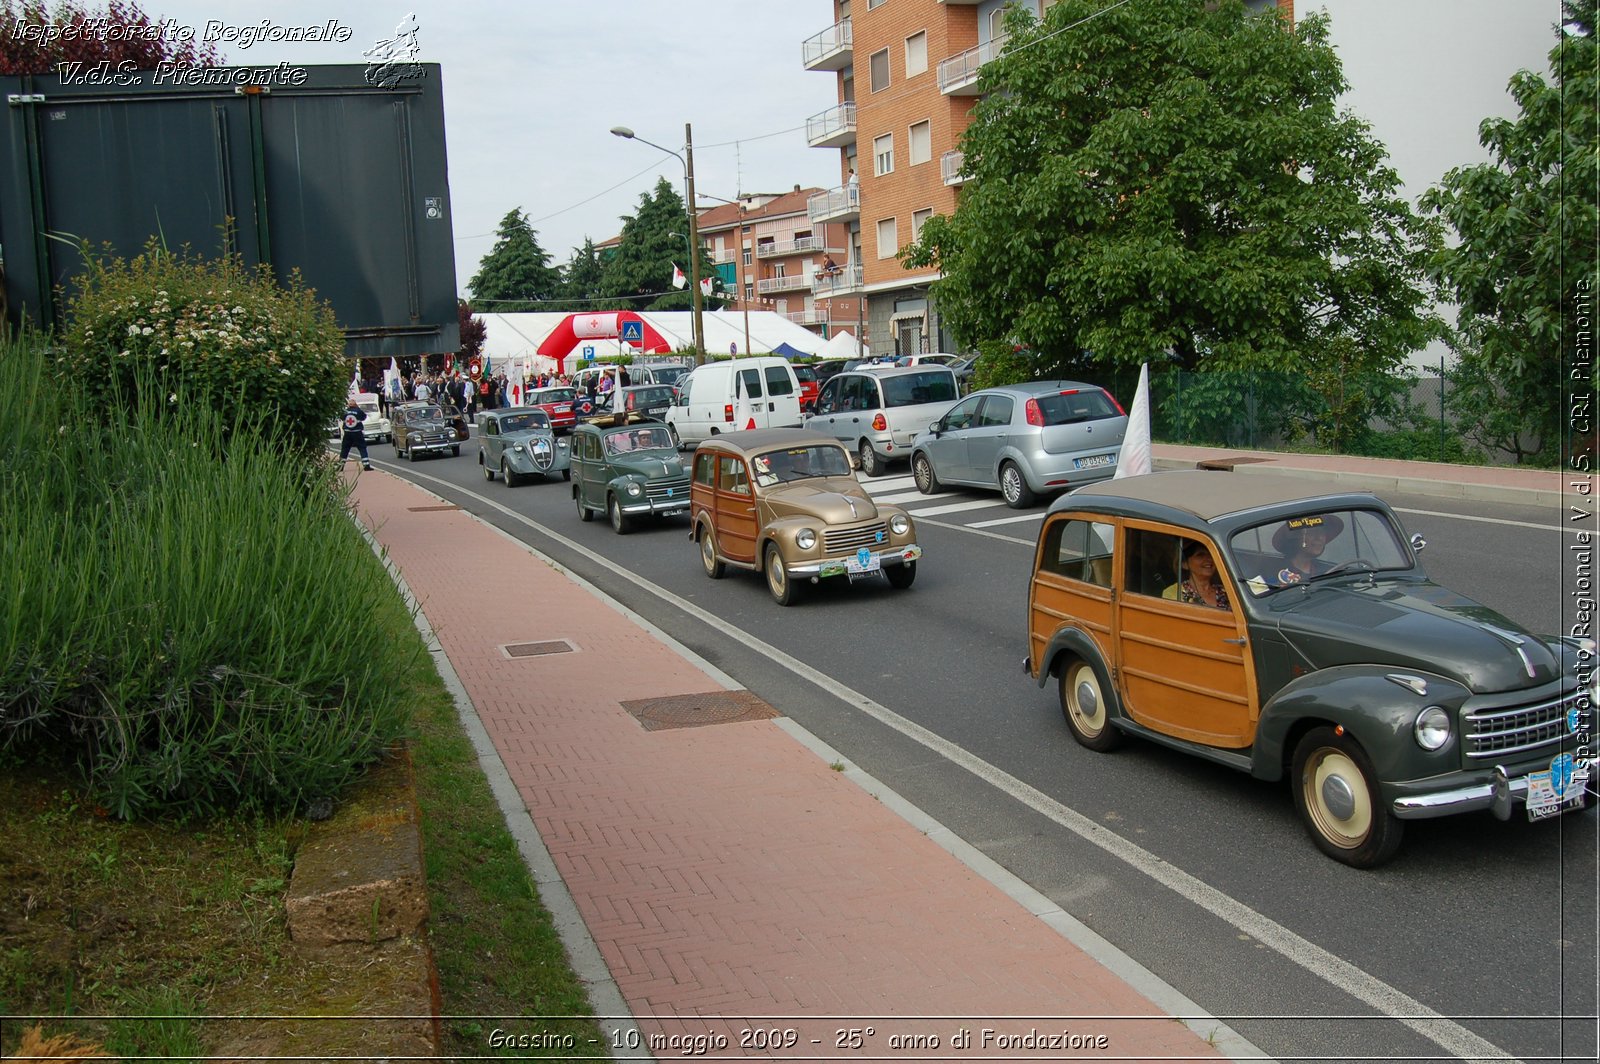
<point>1135,458</point>
<point>678,279</point>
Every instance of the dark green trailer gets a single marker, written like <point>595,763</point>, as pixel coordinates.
<point>338,178</point>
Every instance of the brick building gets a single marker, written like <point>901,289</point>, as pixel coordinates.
<point>907,73</point>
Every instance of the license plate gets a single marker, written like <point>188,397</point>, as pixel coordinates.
<point>863,561</point>
<point>563,409</point>
<point>1561,787</point>
<point>1093,461</point>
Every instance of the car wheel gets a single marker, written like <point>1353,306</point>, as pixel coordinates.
<point>783,589</point>
<point>1014,487</point>
<point>900,576</point>
<point>456,451</point>
<point>411,453</point>
<point>566,474</point>
<point>621,523</point>
<point>488,471</point>
<point>871,464</point>
<point>922,470</point>
<point>584,513</point>
<point>1336,794</point>
<point>508,474</point>
<point>677,443</point>
<point>1083,703</point>
<point>708,555</point>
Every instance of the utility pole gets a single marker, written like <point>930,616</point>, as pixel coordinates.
<point>694,249</point>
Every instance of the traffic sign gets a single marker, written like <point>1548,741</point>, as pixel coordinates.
<point>588,352</point>
<point>633,332</point>
<point>733,348</point>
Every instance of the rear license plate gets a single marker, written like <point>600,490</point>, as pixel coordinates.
<point>1561,787</point>
<point>1093,461</point>
<point>563,409</point>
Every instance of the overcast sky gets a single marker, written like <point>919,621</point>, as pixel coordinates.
<point>532,91</point>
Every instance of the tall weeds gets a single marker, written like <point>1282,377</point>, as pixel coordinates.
<point>192,621</point>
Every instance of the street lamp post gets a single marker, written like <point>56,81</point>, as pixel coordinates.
<point>687,159</point>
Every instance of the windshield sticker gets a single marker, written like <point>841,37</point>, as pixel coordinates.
<point>1304,522</point>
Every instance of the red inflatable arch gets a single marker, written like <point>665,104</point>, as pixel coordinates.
<point>602,325</point>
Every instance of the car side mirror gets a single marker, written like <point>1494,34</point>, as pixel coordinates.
<point>1417,542</point>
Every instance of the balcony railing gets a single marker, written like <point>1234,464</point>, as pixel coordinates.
<point>833,128</point>
<point>950,164</point>
<point>798,246</point>
<point>958,75</point>
<point>847,279</point>
<point>814,316</point>
<point>835,205</point>
<point>828,50</point>
<point>730,255</point>
<point>786,283</point>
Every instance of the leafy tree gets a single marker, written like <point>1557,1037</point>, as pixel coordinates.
<point>473,333</point>
<point>652,241</point>
<point>516,274</point>
<point>1171,180</point>
<point>582,279</point>
<point>1527,222</point>
<point>121,34</point>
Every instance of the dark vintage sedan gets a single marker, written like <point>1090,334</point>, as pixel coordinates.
<point>647,400</point>
<point>423,428</point>
<point>1293,635</point>
<point>627,471</point>
<point>518,443</point>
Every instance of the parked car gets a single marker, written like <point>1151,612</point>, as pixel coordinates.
<point>648,400</point>
<point>626,472</point>
<point>1027,440</point>
<point>809,387</point>
<point>829,368</point>
<point>422,428</point>
<point>783,502</point>
<point>518,442</point>
<point>962,368</point>
<point>936,358</point>
<point>710,398</point>
<point>1333,662</point>
<point>556,402</point>
<point>878,413</point>
<point>376,428</point>
<point>668,373</point>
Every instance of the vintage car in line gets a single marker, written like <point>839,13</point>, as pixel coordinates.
<point>1292,634</point>
<point>518,442</point>
<point>647,400</point>
<point>627,469</point>
<point>558,402</point>
<point>785,503</point>
<point>422,428</point>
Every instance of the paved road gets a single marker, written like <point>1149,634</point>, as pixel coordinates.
<point>1204,876</point>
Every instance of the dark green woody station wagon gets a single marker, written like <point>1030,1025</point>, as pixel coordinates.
<point>1292,634</point>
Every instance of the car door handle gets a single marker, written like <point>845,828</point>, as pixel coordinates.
<point>1234,642</point>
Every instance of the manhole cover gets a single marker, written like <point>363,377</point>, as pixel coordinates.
<point>534,650</point>
<point>430,509</point>
<point>691,711</point>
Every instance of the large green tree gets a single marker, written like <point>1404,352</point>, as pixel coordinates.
<point>653,240</point>
<point>1168,176</point>
<point>516,274</point>
<point>1527,222</point>
<point>582,281</point>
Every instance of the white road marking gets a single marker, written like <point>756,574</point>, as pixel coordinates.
<point>1008,520</point>
<point>1391,1002</point>
<point>952,507</point>
<point>1574,527</point>
<point>897,497</point>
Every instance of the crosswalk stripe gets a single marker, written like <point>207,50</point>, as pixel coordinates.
<point>950,508</point>
<point>899,496</point>
<point>1007,520</point>
<point>877,484</point>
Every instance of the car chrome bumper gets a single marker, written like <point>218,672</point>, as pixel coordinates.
<point>1503,793</point>
<point>426,447</point>
<point>657,506</point>
<point>902,555</point>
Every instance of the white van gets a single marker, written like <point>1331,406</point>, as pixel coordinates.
<point>728,396</point>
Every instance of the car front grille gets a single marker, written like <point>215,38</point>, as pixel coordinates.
<point>846,540</point>
<point>1516,731</point>
<point>667,490</point>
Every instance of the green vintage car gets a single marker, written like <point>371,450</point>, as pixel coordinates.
<point>1291,634</point>
<point>519,443</point>
<point>627,471</point>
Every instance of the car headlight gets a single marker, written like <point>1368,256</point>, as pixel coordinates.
<point>635,488</point>
<point>517,447</point>
<point>899,524</point>
<point>1432,728</point>
<point>806,538</point>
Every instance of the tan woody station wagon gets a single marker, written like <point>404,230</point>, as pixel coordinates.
<point>785,503</point>
<point>1292,634</point>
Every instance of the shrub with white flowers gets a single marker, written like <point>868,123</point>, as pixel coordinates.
<point>208,331</point>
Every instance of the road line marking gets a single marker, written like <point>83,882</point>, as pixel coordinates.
<point>952,507</point>
<point>1497,521</point>
<point>1008,520</point>
<point>1391,1002</point>
<point>897,497</point>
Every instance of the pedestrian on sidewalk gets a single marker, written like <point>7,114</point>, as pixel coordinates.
<point>354,435</point>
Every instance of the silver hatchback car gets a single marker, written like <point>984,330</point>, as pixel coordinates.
<point>1028,440</point>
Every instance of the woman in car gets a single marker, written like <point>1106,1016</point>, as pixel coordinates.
<point>1201,582</point>
<point>1301,541</point>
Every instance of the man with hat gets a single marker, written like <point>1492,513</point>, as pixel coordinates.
<point>1301,541</point>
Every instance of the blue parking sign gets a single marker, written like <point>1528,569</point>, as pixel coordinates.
<point>588,352</point>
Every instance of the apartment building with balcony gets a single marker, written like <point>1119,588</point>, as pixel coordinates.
<point>907,74</point>
<point>771,255</point>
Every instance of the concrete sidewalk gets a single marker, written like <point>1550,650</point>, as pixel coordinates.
<point>731,878</point>
<point>1506,484</point>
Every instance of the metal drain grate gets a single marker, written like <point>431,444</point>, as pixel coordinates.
<point>534,650</point>
<point>692,711</point>
<point>431,509</point>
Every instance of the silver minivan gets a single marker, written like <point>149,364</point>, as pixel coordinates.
<point>878,413</point>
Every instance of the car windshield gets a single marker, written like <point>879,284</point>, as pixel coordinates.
<point>667,374</point>
<point>1316,544</point>
<point>805,373</point>
<point>798,463</point>
<point>432,413</point>
<point>555,395</point>
<point>650,397</point>
<point>533,419</point>
<point>1074,405</point>
<point>644,438</point>
<point>935,386</point>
